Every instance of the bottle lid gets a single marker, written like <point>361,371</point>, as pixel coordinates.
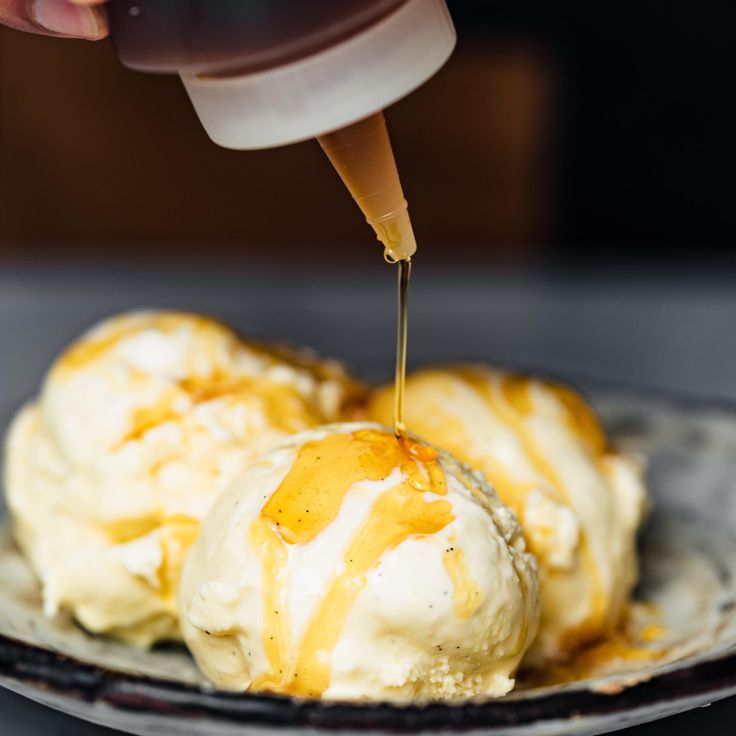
<point>328,90</point>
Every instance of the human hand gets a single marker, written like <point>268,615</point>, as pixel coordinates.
<point>66,18</point>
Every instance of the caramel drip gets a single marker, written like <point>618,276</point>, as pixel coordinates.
<point>307,502</point>
<point>454,435</point>
<point>613,652</point>
<point>396,515</point>
<point>89,349</point>
<point>581,420</point>
<point>523,638</point>
<point>126,529</point>
<point>285,408</point>
<point>178,533</point>
<point>404,272</point>
<point>215,339</point>
<point>512,412</point>
<point>282,405</point>
<point>631,643</point>
<point>310,497</point>
<point>144,418</point>
<point>515,390</point>
<point>274,557</point>
<point>467,595</point>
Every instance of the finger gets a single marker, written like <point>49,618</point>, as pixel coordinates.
<point>88,2</point>
<point>53,18</point>
<point>14,13</point>
<point>66,19</point>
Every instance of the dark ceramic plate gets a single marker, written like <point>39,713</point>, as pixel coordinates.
<point>689,563</point>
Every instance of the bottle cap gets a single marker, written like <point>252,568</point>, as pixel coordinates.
<point>328,90</point>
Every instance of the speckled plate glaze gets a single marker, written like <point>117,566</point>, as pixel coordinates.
<point>688,574</point>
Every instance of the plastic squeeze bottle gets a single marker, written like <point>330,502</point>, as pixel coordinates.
<point>264,73</point>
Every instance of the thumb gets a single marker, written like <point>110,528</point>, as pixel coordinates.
<point>53,18</point>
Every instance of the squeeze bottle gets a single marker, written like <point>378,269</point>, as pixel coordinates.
<point>265,73</point>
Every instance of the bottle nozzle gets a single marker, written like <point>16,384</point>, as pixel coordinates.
<point>397,235</point>
<point>362,155</point>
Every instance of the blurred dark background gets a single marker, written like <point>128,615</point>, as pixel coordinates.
<point>558,132</point>
<point>573,164</point>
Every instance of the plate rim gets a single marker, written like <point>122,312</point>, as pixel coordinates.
<point>53,672</point>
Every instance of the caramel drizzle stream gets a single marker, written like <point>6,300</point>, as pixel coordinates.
<point>404,272</point>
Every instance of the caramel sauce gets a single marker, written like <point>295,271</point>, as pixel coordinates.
<point>307,502</point>
<point>580,419</point>
<point>178,533</point>
<point>274,558</point>
<point>144,418</point>
<point>632,645</point>
<point>362,155</point>
<point>515,390</point>
<point>467,595</point>
<point>89,349</point>
<point>513,405</point>
<point>518,405</point>
<point>404,272</point>
<point>283,406</point>
<point>125,530</point>
<point>616,650</point>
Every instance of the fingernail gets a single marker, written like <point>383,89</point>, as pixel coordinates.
<point>60,16</point>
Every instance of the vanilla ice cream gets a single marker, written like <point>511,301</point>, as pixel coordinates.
<point>140,424</point>
<point>579,502</point>
<point>350,564</point>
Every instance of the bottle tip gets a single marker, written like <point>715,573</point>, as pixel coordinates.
<point>397,236</point>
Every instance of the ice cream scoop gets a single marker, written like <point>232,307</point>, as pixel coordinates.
<point>579,502</point>
<point>352,564</point>
<point>140,424</point>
